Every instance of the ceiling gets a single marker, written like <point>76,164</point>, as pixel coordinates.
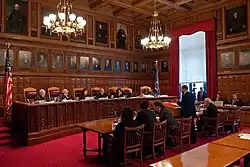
<point>141,10</point>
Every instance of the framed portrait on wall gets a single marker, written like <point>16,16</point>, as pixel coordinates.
<point>84,63</point>
<point>143,67</point>
<point>121,36</point>
<point>72,62</point>
<point>57,61</point>
<point>244,58</point>
<point>96,63</point>
<point>101,32</point>
<point>135,67</point>
<point>24,59</point>
<point>107,65</point>
<point>41,60</point>
<point>236,20</point>
<point>117,65</point>
<point>164,66</point>
<point>3,57</point>
<point>227,59</point>
<point>126,66</point>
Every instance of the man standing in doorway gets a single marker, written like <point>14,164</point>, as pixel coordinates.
<point>188,109</point>
<point>201,95</point>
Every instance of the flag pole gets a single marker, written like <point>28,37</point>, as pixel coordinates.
<point>6,107</point>
<point>157,85</point>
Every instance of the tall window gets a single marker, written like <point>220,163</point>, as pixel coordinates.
<point>192,51</point>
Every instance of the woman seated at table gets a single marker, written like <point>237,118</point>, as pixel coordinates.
<point>218,97</point>
<point>127,120</point>
<point>119,93</point>
<point>64,95</point>
<point>210,112</point>
<point>85,94</point>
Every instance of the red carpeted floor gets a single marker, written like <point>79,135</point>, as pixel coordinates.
<point>64,152</point>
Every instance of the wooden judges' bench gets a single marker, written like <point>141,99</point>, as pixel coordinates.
<point>37,123</point>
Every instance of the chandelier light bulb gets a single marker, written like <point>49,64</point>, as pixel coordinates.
<point>72,17</point>
<point>61,16</point>
<point>160,38</point>
<point>52,17</point>
<point>46,19</point>
<point>167,40</point>
<point>153,38</point>
<point>79,19</point>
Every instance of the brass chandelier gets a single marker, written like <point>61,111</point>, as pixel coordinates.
<point>156,38</point>
<point>64,22</point>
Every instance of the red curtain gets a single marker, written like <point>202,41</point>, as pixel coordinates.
<point>209,28</point>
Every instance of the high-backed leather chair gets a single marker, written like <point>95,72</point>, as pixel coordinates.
<point>144,89</point>
<point>95,91</point>
<point>126,90</point>
<point>53,92</point>
<point>29,94</point>
<point>77,92</point>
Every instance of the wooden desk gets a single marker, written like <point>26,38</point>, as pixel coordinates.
<point>37,123</point>
<point>101,127</point>
<point>208,155</point>
<point>234,141</point>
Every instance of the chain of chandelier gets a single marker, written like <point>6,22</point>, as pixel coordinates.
<point>155,38</point>
<point>64,22</point>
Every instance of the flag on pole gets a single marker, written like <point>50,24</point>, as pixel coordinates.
<point>157,85</point>
<point>8,84</point>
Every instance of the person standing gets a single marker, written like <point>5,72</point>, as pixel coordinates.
<point>188,109</point>
<point>201,95</point>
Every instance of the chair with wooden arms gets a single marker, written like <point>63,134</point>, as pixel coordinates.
<point>77,92</point>
<point>95,91</point>
<point>159,136</point>
<point>29,94</point>
<point>232,119</point>
<point>144,89</point>
<point>112,90</point>
<point>181,132</point>
<point>53,92</point>
<point>213,125</point>
<point>133,142</point>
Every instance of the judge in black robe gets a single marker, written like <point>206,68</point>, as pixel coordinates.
<point>121,38</point>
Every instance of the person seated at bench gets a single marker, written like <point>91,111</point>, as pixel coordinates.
<point>235,100</point>
<point>101,94</point>
<point>210,112</point>
<point>119,93</point>
<point>64,95</point>
<point>84,94</point>
<point>41,96</point>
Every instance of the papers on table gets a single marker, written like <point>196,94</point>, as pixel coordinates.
<point>89,98</point>
<point>244,136</point>
<point>163,96</point>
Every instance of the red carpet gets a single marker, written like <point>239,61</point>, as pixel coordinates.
<point>64,152</point>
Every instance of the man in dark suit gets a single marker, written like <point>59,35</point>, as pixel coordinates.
<point>108,66</point>
<point>188,109</point>
<point>201,95</point>
<point>102,94</point>
<point>210,112</point>
<point>145,116</point>
<point>41,96</point>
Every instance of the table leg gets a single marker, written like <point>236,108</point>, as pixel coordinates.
<point>99,144</point>
<point>84,142</point>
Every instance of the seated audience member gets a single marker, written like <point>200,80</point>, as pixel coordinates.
<point>64,95</point>
<point>201,95</point>
<point>85,94</point>
<point>127,120</point>
<point>235,100</point>
<point>119,93</point>
<point>164,114</point>
<point>210,112</point>
<point>145,116</point>
<point>41,96</point>
<point>102,94</point>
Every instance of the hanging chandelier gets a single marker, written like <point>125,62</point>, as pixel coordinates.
<point>156,38</point>
<point>64,22</point>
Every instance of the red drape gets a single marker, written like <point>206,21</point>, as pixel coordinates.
<point>209,28</point>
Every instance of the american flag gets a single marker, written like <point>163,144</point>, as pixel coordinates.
<point>8,83</point>
<point>157,85</point>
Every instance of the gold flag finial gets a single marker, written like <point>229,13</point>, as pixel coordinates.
<point>8,45</point>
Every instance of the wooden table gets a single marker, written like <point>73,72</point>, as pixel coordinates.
<point>234,141</point>
<point>208,155</point>
<point>101,127</point>
<point>36,123</point>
